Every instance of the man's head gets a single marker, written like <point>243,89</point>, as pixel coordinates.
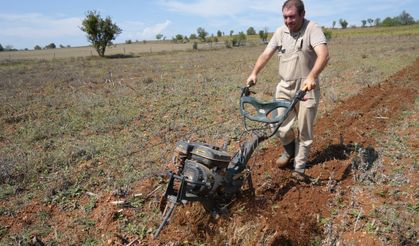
<point>293,12</point>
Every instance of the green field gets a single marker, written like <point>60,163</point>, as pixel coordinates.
<point>71,122</point>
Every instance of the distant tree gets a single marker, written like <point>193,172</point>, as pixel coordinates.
<point>405,18</point>
<point>219,33</point>
<point>100,32</point>
<point>179,37</point>
<point>251,31</point>
<point>50,46</point>
<point>343,23</point>
<point>62,46</point>
<point>240,39</point>
<point>333,24</point>
<point>202,34</point>
<point>370,21</point>
<point>9,48</point>
<point>159,36</point>
<point>231,33</point>
<point>193,36</point>
<point>129,41</point>
<point>364,23</point>
<point>37,47</point>
<point>1,48</point>
<point>377,22</point>
<point>388,21</point>
<point>263,35</point>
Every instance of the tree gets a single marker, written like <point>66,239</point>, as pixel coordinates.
<point>50,46</point>
<point>9,48</point>
<point>333,24</point>
<point>193,36</point>
<point>263,34</point>
<point>251,31</point>
<point>37,47</point>
<point>364,23</point>
<point>343,23</point>
<point>202,34</point>
<point>179,37</point>
<point>405,18</point>
<point>159,36</point>
<point>100,32</point>
<point>377,22</point>
<point>1,48</point>
<point>219,33</point>
<point>240,39</point>
<point>231,33</point>
<point>370,21</point>
<point>388,21</point>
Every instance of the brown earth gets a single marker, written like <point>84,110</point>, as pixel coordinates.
<point>284,211</point>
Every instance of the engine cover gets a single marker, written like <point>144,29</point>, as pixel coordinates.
<point>210,156</point>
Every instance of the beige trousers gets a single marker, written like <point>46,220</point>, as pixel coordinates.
<point>302,116</point>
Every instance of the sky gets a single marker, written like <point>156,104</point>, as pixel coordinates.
<point>26,23</point>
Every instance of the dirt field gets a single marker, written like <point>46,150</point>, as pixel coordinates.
<point>80,135</point>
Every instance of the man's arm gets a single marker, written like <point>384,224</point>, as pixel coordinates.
<point>260,63</point>
<point>322,53</point>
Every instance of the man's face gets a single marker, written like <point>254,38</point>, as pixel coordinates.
<point>292,19</point>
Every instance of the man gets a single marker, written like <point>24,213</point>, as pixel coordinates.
<point>303,54</point>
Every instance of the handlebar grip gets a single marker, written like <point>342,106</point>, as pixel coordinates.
<point>250,83</point>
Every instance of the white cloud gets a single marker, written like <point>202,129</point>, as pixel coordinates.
<point>26,30</point>
<point>152,31</point>
<point>136,30</point>
<point>34,25</point>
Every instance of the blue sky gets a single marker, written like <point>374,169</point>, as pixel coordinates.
<point>26,23</point>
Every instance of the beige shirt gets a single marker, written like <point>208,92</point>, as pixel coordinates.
<point>296,50</point>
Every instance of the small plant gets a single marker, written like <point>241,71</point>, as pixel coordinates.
<point>3,231</point>
<point>85,223</point>
<point>90,205</point>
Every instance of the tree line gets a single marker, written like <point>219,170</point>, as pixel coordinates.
<point>403,19</point>
<point>100,32</point>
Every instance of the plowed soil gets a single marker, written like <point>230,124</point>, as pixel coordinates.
<point>284,210</point>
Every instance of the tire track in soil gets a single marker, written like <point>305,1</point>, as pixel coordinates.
<point>285,211</point>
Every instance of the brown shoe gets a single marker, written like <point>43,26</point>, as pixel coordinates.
<point>285,159</point>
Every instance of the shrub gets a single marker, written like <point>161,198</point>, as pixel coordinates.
<point>327,34</point>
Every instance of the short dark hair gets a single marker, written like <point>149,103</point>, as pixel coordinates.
<point>297,3</point>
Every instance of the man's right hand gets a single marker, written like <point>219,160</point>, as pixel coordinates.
<point>251,81</point>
